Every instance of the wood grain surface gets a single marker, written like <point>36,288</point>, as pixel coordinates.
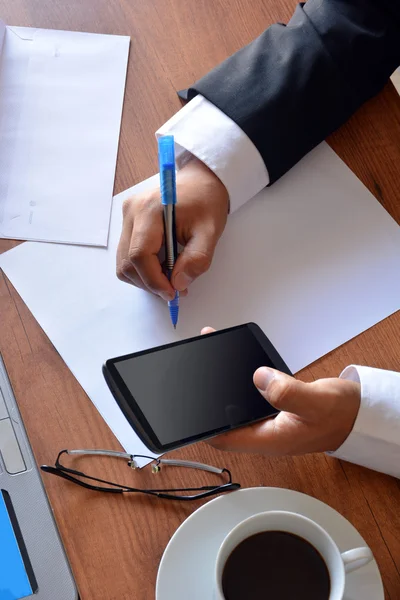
<point>115,543</point>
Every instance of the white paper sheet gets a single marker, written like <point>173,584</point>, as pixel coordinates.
<point>61,97</point>
<point>314,260</point>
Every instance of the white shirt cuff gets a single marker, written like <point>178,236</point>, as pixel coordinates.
<point>375,439</point>
<point>203,130</point>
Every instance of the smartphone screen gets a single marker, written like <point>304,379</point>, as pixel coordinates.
<point>198,387</point>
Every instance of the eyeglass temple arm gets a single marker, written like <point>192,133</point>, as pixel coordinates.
<point>102,453</point>
<point>164,461</point>
<point>190,464</point>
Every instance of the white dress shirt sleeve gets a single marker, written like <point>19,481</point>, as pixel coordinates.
<point>375,439</point>
<point>203,130</point>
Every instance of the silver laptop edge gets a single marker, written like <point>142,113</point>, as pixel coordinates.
<point>21,484</point>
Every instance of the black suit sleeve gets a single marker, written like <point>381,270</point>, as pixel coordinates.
<point>295,84</point>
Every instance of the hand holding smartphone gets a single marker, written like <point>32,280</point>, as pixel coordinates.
<point>194,389</point>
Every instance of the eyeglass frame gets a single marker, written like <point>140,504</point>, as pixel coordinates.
<point>163,493</point>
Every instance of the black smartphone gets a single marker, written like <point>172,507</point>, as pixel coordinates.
<point>194,389</point>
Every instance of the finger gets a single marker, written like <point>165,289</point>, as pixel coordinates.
<point>286,393</point>
<point>125,270</point>
<point>195,259</point>
<point>149,270</point>
<point>122,277</point>
<point>207,330</point>
<point>163,263</point>
<point>253,439</point>
<point>143,252</point>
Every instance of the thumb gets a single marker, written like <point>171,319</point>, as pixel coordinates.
<point>194,260</point>
<point>286,393</point>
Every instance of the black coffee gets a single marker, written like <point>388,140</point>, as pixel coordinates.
<point>275,565</point>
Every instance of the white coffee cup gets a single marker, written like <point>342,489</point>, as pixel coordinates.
<point>338,563</point>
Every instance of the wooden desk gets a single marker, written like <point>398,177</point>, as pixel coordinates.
<point>115,543</point>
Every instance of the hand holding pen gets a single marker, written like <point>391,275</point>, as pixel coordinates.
<point>201,214</point>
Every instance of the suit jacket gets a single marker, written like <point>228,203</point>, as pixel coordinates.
<point>295,84</point>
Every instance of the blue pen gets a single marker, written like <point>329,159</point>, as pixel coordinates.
<point>166,159</point>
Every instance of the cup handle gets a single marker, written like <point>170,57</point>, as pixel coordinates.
<point>356,558</point>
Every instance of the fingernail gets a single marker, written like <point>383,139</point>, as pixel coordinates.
<point>182,281</point>
<point>263,377</point>
<point>167,296</point>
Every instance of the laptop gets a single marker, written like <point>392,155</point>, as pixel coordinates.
<point>33,563</point>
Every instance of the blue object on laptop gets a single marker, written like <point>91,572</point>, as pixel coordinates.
<point>14,580</point>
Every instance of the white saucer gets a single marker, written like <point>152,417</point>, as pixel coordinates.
<point>187,566</point>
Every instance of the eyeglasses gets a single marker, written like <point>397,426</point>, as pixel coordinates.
<point>83,479</point>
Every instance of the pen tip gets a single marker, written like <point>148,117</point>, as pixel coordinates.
<point>174,326</point>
